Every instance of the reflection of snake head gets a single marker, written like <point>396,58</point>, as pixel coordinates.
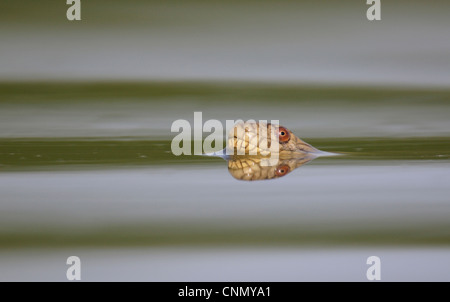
<point>253,168</point>
<point>251,138</point>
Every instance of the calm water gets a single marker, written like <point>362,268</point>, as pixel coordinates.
<point>85,163</point>
<point>104,184</point>
<point>278,41</point>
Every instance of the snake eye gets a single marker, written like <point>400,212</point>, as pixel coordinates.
<point>282,170</point>
<point>283,135</point>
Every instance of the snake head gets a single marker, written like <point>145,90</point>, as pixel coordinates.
<point>252,138</point>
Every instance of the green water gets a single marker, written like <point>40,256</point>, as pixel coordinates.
<point>36,154</point>
<point>89,164</point>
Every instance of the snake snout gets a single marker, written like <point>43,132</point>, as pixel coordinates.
<point>297,146</point>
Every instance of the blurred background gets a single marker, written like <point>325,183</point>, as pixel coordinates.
<point>86,168</point>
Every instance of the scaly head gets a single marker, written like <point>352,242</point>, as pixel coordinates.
<point>251,138</point>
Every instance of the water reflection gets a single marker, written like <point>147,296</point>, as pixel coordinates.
<point>257,168</point>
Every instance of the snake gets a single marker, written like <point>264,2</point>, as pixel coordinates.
<point>251,146</point>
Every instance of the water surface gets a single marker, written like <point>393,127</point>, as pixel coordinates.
<point>86,169</point>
